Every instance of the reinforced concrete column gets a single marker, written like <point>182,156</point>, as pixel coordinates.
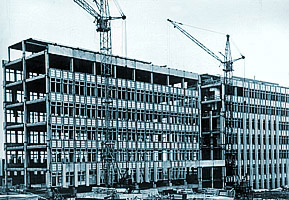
<point>48,121</point>
<point>137,171</point>
<point>155,179</point>
<point>222,138</point>
<point>282,172</point>
<point>245,160</point>
<point>211,146</point>
<point>262,151</point>
<point>171,154</point>
<point>93,68</point>
<point>256,152</point>
<point>239,172</point>
<point>98,173</point>
<point>277,153</point>
<point>9,54</point>
<point>267,152</point>
<point>250,151</point>
<point>133,75</point>
<point>114,71</point>
<point>200,178</point>
<point>5,122</point>
<point>76,167</point>
<point>87,168</point>
<point>287,172</point>
<point>64,184</point>
<point>168,80</point>
<point>25,117</point>
<point>147,172</point>
<point>183,83</point>
<point>273,175</point>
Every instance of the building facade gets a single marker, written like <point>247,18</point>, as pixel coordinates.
<point>259,120</point>
<point>167,125</point>
<point>54,118</point>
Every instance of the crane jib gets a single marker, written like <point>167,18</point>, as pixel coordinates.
<point>227,55</point>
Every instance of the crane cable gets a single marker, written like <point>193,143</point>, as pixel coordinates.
<point>118,8</point>
<point>200,28</point>
<point>124,40</point>
<point>168,44</point>
<point>208,30</point>
<point>235,45</point>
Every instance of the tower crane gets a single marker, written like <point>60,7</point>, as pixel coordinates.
<point>227,62</point>
<point>103,27</point>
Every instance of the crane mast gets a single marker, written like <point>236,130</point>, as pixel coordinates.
<point>103,27</point>
<point>230,153</point>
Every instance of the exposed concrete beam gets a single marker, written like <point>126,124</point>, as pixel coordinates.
<point>95,57</point>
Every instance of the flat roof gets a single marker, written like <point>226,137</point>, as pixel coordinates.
<point>36,45</point>
<point>32,45</point>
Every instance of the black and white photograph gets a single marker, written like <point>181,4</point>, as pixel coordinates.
<point>144,99</point>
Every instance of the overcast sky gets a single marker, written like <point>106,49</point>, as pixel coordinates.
<point>259,29</point>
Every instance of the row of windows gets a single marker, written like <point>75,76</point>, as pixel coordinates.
<point>175,173</point>
<point>91,155</point>
<point>121,93</point>
<point>259,140</point>
<point>81,133</point>
<point>239,123</point>
<point>17,157</point>
<point>34,137</point>
<point>282,154</point>
<point>90,111</point>
<point>13,75</point>
<point>260,109</point>
<point>16,96</point>
<point>79,155</point>
<point>269,168</point>
<point>266,95</point>
<point>14,116</point>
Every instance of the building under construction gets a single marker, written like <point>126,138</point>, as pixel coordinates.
<point>54,119</point>
<point>259,123</point>
<point>167,126</point>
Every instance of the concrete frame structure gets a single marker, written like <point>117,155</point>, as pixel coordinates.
<point>54,118</point>
<point>167,124</point>
<point>260,127</point>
